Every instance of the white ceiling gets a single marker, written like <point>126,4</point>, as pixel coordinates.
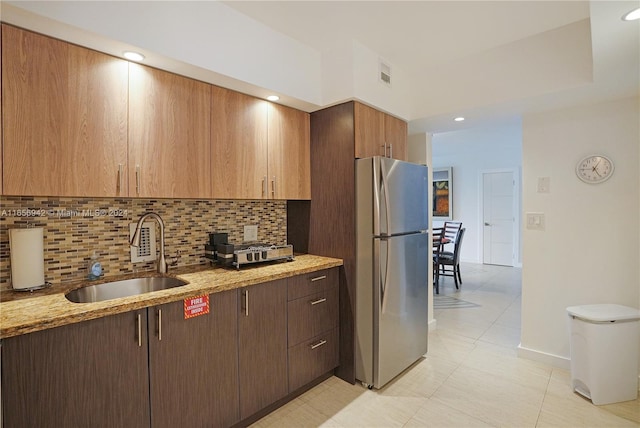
<point>486,60</point>
<point>490,61</point>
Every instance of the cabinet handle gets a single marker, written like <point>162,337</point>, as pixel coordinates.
<point>315,302</point>
<point>138,179</point>
<point>120,178</point>
<point>318,278</point>
<point>159,324</point>
<point>246,303</point>
<point>273,187</point>
<point>264,186</point>
<point>140,330</point>
<point>390,150</point>
<point>319,344</point>
<point>385,149</point>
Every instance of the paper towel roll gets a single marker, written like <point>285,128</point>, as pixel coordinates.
<point>27,257</point>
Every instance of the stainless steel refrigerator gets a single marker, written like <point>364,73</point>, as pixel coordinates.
<point>392,258</point>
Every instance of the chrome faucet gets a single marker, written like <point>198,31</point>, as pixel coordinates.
<point>135,240</point>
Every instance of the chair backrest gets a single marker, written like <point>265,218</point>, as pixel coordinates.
<point>456,249</point>
<point>451,230</point>
<point>437,235</point>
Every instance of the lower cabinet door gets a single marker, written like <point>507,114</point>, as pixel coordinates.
<point>193,364</point>
<point>90,374</point>
<point>262,333</point>
<point>312,358</point>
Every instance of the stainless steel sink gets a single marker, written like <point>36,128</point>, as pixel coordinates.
<point>124,288</point>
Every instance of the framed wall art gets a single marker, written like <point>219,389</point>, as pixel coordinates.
<point>442,194</point>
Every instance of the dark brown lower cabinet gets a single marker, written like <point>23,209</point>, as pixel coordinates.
<point>312,327</point>
<point>313,358</point>
<point>193,364</point>
<point>89,374</point>
<point>153,367</point>
<point>262,334</point>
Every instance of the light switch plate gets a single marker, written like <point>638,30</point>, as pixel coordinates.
<point>535,221</point>
<point>250,233</point>
<point>544,184</point>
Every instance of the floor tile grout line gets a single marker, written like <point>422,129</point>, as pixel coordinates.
<point>544,398</point>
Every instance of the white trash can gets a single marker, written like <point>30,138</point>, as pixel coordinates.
<point>605,342</point>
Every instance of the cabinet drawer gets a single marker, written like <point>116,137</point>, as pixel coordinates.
<point>312,358</point>
<point>312,315</point>
<point>309,283</point>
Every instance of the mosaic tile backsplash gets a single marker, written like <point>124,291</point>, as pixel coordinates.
<point>75,227</point>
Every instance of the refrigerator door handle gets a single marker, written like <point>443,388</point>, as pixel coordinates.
<point>385,279</point>
<point>378,283</point>
<point>376,197</point>
<point>385,189</point>
<point>381,275</point>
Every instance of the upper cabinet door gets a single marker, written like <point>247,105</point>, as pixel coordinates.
<point>379,134</point>
<point>289,153</point>
<point>369,131</point>
<point>169,132</point>
<point>395,135</point>
<point>239,145</point>
<point>64,118</point>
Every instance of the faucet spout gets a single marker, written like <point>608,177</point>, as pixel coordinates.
<point>135,239</point>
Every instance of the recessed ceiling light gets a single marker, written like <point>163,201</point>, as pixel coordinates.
<point>459,119</point>
<point>133,56</point>
<point>273,98</point>
<point>632,16</point>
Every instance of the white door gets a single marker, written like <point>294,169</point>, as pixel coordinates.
<point>498,218</point>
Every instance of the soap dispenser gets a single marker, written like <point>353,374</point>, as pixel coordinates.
<point>94,270</point>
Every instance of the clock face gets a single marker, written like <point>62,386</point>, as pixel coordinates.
<point>594,169</point>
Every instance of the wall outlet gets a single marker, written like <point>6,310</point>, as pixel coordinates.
<point>250,233</point>
<point>535,221</point>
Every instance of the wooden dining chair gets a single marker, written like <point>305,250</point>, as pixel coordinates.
<point>437,236</point>
<point>449,264</point>
<point>451,231</point>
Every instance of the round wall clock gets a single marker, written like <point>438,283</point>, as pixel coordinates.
<point>594,169</point>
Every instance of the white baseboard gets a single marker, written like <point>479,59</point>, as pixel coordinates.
<point>543,357</point>
<point>432,325</point>
<point>552,360</point>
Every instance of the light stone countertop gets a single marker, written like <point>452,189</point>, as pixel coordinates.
<point>22,313</point>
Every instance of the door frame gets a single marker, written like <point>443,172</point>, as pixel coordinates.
<point>515,171</point>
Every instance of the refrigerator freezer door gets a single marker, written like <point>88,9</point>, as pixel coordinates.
<point>398,201</point>
<point>400,305</point>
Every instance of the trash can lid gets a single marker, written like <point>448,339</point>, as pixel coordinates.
<point>604,312</point>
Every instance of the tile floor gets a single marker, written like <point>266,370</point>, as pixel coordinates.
<point>471,376</point>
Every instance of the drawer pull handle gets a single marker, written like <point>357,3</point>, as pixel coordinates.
<point>139,317</point>
<point>319,344</point>
<point>246,303</point>
<point>315,302</point>
<point>318,278</point>
<point>159,324</point>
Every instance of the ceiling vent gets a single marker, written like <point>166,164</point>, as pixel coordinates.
<point>385,73</point>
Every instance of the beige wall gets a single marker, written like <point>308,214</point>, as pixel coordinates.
<point>590,249</point>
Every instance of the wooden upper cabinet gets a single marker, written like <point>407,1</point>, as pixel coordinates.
<point>64,118</point>
<point>169,135</point>
<point>238,145</point>
<point>289,153</point>
<point>260,150</point>
<point>395,134</point>
<point>378,134</point>
<point>369,131</point>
